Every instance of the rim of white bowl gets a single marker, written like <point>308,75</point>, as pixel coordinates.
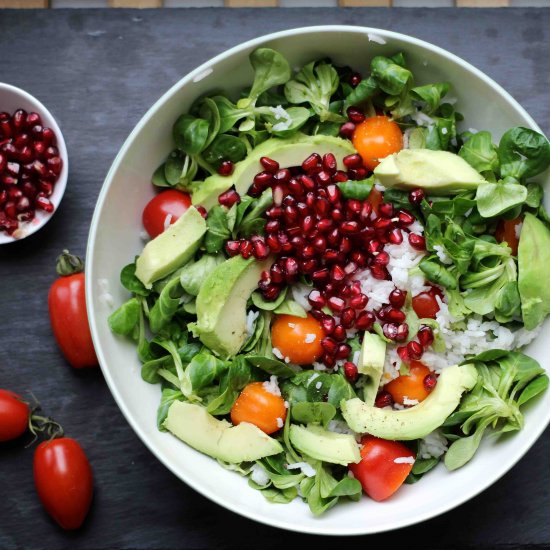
<point>453,502</point>
<point>41,218</point>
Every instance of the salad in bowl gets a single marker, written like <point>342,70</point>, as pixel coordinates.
<point>339,278</point>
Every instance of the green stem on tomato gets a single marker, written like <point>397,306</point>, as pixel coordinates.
<point>68,264</point>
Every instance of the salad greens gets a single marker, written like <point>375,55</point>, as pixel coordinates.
<point>484,282</point>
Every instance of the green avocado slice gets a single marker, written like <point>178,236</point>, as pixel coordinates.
<point>221,304</point>
<point>419,420</point>
<point>218,438</point>
<point>437,172</point>
<point>287,152</point>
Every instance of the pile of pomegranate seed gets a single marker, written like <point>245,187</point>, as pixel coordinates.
<point>30,165</point>
<point>315,232</point>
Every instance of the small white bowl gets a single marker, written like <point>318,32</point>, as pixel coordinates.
<point>115,240</point>
<point>11,99</point>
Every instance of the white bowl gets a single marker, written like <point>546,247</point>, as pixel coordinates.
<point>115,240</point>
<point>11,99</point>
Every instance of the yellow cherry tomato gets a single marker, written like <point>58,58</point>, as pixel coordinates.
<point>298,338</point>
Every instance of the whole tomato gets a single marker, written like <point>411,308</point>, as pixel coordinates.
<point>63,480</point>
<point>14,416</point>
<point>68,316</point>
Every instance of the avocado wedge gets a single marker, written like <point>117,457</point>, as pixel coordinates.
<point>418,421</point>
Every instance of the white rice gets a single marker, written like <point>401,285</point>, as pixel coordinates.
<point>280,422</point>
<point>404,460</point>
<point>319,366</point>
<point>409,402</point>
<point>312,378</point>
<point>442,255</point>
<point>375,38</point>
<point>422,119</point>
<point>272,386</point>
<point>517,229</point>
<point>258,475</point>
<point>300,293</point>
<point>310,338</point>
<point>167,221</point>
<point>433,445</point>
<point>306,469</point>
<point>105,297</point>
<point>251,321</point>
<point>277,353</point>
<point>280,114</point>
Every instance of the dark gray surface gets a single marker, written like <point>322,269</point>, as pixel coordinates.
<point>99,71</point>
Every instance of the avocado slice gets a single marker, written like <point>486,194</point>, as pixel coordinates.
<point>221,304</point>
<point>438,172</point>
<point>287,152</point>
<point>418,421</point>
<point>218,438</point>
<point>172,248</point>
<point>371,363</point>
<point>533,259</point>
<point>323,445</point>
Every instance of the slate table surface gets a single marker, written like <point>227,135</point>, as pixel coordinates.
<point>99,71</point>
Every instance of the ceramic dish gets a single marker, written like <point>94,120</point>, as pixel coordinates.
<point>115,239</point>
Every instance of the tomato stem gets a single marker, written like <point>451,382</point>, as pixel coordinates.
<point>68,264</point>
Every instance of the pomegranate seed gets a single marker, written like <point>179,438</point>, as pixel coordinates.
<point>44,203</point>
<point>359,302</point>
<point>345,292</point>
<point>347,129</point>
<point>302,208</point>
<point>3,162</point>
<point>339,177</point>
<point>6,179</point>
<point>36,132</point>
<point>274,212</point>
<point>261,252</point>
<point>395,236</point>
<point>245,249</point>
<point>273,243</point>
<point>355,115</point>
<point>343,351</point>
<point>350,372</point>
<point>383,399</point>
<point>329,162</point>
<point>324,225</point>
<point>6,129</point>
<point>390,330</point>
<point>316,299</point>
<point>39,168</point>
<point>317,314</point>
<point>311,163</point>
<point>418,242</point>
<point>46,187</point>
<point>320,276</point>
<point>48,135</point>
<point>323,178</point>
<point>19,119</point>
<point>348,317</point>
<point>337,273</point>
<point>336,304</point>
<point>328,323</point>
<point>322,207</point>
<point>33,119</point>
<point>26,216</point>
<point>337,215</point>
<point>383,224</point>
<point>265,276</point>
<point>319,243</point>
<point>329,345</point>
<point>26,154</point>
<point>381,259</point>
<point>39,148</point>
<point>353,161</point>
<point>276,273</point>
<point>308,252</point>
<point>328,361</point>
<point>307,182</point>
<point>416,196</point>
<point>295,187</point>
<point>334,193</point>
<point>366,211</point>
<point>397,298</point>
<point>357,174</point>
<point>350,268</point>
<point>355,288</point>
<point>354,206</point>
<point>349,227</point>
<point>430,381</point>
<point>359,258</point>
<point>9,150</point>
<point>229,198</point>
<point>3,197</point>
<point>415,350</point>
<point>288,200</point>
<point>403,354</point>
<point>202,211</point>
<point>22,205</point>
<point>29,190</point>
<point>379,272</point>
<point>290,215</point>
<point>254,190</point>
<point>298,242</point>
<point>22,140</point>
<point>425,336</point>
<point>291,268</point>
<point>272,292</point>
<point>272,226</point>
<point>263,180</point>
<point>270,165</point>
<point>10,210</point>
<point>354,79</point>
<point>402,332</point>
<point>14,193</point>
<point>405,218</point>
<point>339,333</point>
<point>308,266</point>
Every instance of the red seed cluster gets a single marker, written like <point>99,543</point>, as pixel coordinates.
<point>30,165</point>
<point>315,232</point>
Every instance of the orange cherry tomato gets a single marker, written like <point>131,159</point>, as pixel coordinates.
<point>375,138</point>
<point>168,203</point>
<point>410,385</point>
<point>298,338</point>
<point>375,198</point>
<point>506,232</point>
<point>258,406</point>
<point>378,472</point>
<point>425,304</point>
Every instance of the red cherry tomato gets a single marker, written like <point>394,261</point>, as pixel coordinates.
<point>425,304</point>
<point>410,385</point>
<point>168,203</point>
<point>68,316</point>
<point>14,416</point>
<point>258,406</point>
<point>506,232</point>
<point>379,474</point>
<point>63,480</point>
<point>375,138</point>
